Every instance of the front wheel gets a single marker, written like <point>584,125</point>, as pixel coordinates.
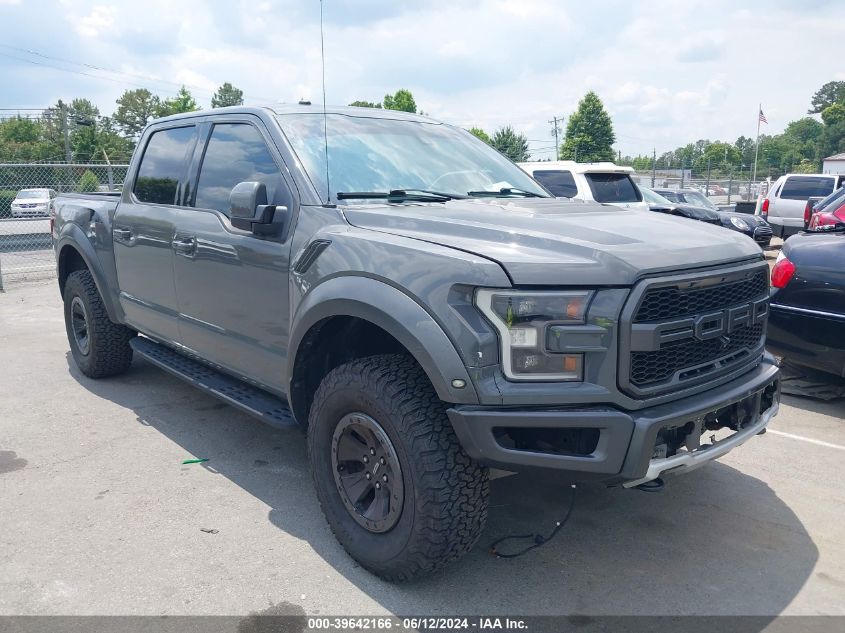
<point>397,489</point>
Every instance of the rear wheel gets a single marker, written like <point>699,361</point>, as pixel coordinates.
<point>397,489</point>
<point>99,346</point>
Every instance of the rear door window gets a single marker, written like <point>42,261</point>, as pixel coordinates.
<point>559,182</point>
<point>164,165</point>
<point>236,153</point>
<point>803,187</point>
<point>613,188</point>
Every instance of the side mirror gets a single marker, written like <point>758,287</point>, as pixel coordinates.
<point>249,211</point>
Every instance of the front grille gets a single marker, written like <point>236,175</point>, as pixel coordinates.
<point>691,330</point>
<point>654,367</point>
<point>672,302</point>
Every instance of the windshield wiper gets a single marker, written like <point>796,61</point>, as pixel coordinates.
<point>504,191</point>
<point>400,195</point>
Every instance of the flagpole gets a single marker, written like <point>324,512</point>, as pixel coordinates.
<point>757,141</point>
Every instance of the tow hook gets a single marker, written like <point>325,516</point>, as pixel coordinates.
<point>655,485</point>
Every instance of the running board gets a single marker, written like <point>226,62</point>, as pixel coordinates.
<point>269,408</point>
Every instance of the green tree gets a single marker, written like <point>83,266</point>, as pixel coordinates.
<point>511,144</point>
<point>830,93</point>
<point>183,102</point>
<point>365,104</point>
<point>833,114</point>
<point>719,155</point>
<point>804,130</point>
<point>134,110</point>
<point>478,132</point>
<point>88,182</point>
<point>402,100</point>
<point>589,132</point>
<point>227,95</point>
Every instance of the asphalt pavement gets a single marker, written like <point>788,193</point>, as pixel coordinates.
<point>100,516</point>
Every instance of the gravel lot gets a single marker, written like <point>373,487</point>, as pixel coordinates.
<point>100,516</point>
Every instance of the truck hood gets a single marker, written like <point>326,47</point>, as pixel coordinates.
<point>556,242</point>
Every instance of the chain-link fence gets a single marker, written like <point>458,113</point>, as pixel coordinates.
<point>27,194</point>
<point>724,192</point>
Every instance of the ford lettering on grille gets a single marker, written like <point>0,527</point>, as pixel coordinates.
<point>689,331</point>
<point>649,337</point>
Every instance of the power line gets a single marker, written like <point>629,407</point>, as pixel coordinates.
<point>150,81</point>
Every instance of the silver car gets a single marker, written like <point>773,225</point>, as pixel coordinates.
<point>33,203</point>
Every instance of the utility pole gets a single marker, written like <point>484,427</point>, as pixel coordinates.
<point>707,186</point>
<point>556,132</point>
<point>653,165</point>
<point>66,133</point>
<point>65,130</point>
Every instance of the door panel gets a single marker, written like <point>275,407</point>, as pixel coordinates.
<point>233,297</point>
<point>142,236</point>
<point>231,285</point>
<point>143,232</point>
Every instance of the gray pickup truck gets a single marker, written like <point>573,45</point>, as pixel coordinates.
<point>422,307</point>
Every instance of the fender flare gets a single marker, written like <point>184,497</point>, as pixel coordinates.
<point>73,237</point>
<point>396,313</point>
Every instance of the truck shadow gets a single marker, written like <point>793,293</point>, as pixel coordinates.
<point>716,541</point>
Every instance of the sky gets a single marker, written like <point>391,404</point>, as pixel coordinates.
<point>669,72</point>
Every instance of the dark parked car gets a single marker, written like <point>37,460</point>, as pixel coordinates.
<point>807,320</point>
<point>753,226</point>
<point>662,204</point>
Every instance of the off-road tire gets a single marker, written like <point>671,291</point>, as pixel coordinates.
<point>109,352</point>
<point>445,492</point>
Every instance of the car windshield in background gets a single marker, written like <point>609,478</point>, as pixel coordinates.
<point>382,155</point>
<point>652,197</point>
<point>803,187</point>
<point>613,188</point>
<point>699,200</point>
<point>25,195</point>
<point>559,182</point>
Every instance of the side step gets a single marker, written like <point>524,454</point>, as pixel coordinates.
<point>252,400</point>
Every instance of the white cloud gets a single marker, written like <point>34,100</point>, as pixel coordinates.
<point>668,72</point>
<point>100,19</point>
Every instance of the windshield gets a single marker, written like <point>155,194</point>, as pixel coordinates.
<point>652,197</point>
<point>382,155</point>
<point>699,200</point>
<point>32,193</point>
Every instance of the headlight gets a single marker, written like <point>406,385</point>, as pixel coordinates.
<point>739,223</point>
<point>522,319</point>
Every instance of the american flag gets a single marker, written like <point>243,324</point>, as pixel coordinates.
<point>763,118</point>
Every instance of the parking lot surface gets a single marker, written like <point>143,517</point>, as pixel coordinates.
<point>100,515</point>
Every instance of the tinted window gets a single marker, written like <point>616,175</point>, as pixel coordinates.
<point>560,183</point>
<point>613,188</point>
<point>163,165</point>
<point>669,195</point>
<point>236,153</point>
<point>802,187</point>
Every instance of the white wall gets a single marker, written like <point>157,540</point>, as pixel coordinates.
<point>833,167</point>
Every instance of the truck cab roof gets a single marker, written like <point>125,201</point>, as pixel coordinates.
<point>578,168</point>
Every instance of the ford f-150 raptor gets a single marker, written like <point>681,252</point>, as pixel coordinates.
<point>422,308</point>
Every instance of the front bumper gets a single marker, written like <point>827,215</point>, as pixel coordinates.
<point>30,212</point>
<point>626,440</point>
